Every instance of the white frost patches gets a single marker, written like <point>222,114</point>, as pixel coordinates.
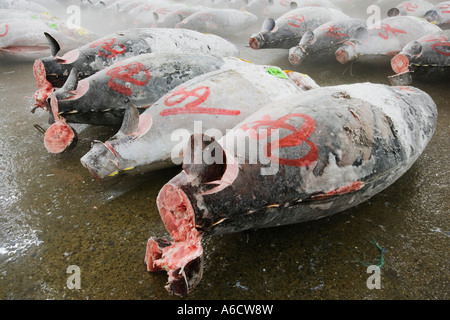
<point>333,176</point>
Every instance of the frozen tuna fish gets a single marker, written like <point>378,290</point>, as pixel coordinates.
<point>101,99</point>
<point>440,15</point>
<point>223,22</point>
<point>416,8</point>
<point>25,39</point>
<point>427,58</point>
<point>287,30</point>
<point>322,42</point>
<point>276,8</point>
<point>329,149</point>
<point>53,71</point>
<point>215,101</point>
<point>379,45</point>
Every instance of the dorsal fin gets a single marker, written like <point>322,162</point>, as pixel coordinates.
<point>54,45</point>
<point>71,83</point>
<point>130,121</point>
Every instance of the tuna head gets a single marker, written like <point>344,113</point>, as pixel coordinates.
<point>103,160</point>
<point>401,61</point>
<point>349,50</point>
<point>298,54</point>
<point>260,39</point>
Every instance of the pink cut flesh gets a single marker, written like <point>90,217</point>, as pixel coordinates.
<point>175,257</point>
<point>400,63</point>
<point>58,137</point>
<point>45,88</point>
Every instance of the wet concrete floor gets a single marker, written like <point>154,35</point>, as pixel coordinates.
<point>54,215</point>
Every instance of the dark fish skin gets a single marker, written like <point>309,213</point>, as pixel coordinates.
<point>425,59</point>
<point>118,46</point>
<point>287,30</point>
<point>322,42</point>
<point>337,147</point>
<point>102,98</point>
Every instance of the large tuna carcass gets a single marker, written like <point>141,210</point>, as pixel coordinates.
<point>23,5</point>
<point>380,44</point>
<point>318,153</point>
<point>102,98</point>
<point>416,8</point>
<point>287,31</point>
<point>222,22</point>
<point>427,59</point>
<point>53,71</point>
<point>276,8</point>
<point>215,101</point>
<point>440,15</point>
<point>22,37</point>
<point>322,42</point>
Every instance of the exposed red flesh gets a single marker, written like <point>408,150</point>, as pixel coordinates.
<point>341,56</point>
<point>400,63</point>
<point>182,257</point>
<point>254,44</point>
<point>45,88</point>
<point>59,137</point>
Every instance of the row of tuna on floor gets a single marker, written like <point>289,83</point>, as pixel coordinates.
<point>318,150</point>
<point>259,146</point>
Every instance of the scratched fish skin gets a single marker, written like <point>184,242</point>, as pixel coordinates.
<point>101,99</point>
<point>322,42</point>
<point>336,148</point>
<point>24,38</point>
<point>416,8</point>
<point>440,15</point>
<point>217,100</point>
<point>427,59</point>
<point>223,22</point>
<point>53,72</point>
<point>287,30</point>
<point>379,45</point>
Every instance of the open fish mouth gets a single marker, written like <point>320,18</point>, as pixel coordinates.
<point>181,258</point>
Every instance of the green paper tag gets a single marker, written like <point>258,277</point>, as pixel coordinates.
<point>277,72</point>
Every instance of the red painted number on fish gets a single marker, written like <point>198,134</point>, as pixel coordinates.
<point>387,28</point>
<point>412,7</point>
<point>107,46</point>
<point>126,73</point>
<point>444,7</point>
<point>195,97</point>
<point>332,31</point>
<point>6,31</point>
<point>295,139</point>
<point>441,45</point>
<point>295,17</point>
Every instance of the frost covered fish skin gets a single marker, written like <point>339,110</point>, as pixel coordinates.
<point>223,22</point>
<point>53,71</point>
<point>336,147</point>
<point>380,45</point>
<point>322,42</point>
<point>415,8</point>
<point>287,30</point>
<point>427,58</point>
<point>440,15</point>
<point>102,98</point>
<point>215,101</point>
